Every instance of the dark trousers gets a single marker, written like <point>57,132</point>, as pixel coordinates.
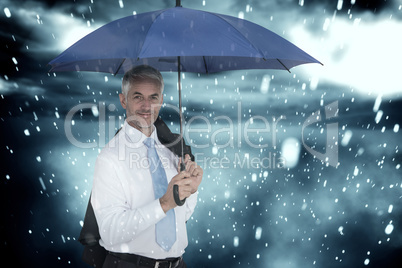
<point>112,261</point>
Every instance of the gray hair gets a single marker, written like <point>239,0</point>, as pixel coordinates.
<point>139,74</point>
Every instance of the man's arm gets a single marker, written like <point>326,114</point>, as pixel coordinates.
<point>118,223</point>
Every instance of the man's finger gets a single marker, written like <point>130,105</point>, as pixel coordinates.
<point>190,167</point>
<point>184,182</point>
<point>180,176</point>
<point>187,158</point>
<point>184,192</point>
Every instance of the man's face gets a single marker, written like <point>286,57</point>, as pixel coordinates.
<point>142,104</point>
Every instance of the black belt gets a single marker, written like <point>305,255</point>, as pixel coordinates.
<point>148,262</point>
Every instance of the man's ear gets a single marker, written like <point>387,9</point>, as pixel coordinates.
<point>123,100</point>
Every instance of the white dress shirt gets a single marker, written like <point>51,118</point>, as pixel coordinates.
<point>123,198</point>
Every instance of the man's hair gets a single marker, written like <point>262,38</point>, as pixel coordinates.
<point>141,73</point>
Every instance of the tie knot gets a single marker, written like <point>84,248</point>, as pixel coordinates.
<point>149,142</point>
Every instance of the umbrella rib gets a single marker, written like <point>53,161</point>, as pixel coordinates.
<point>118,69</point>
<point>205,64</point>
<point>150,26</point>
<point>283,65</point>
<point>257,49</point>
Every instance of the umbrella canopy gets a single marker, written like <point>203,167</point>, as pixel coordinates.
<point>206,43</point>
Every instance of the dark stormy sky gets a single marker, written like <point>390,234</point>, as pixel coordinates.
<point>251,212</point>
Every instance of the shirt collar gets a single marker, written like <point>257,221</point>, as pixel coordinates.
<point>135,136</point>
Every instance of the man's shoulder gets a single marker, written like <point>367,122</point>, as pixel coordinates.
<point>111,148</point>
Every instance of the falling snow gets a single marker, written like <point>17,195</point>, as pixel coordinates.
<point>269,197</point>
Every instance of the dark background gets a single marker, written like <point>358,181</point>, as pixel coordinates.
<point>309,215</point>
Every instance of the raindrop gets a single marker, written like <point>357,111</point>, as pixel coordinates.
<point>266,80</point>
<point>290,152</point>
<point>326,24</point>
<point>377,103</point>
<point>314,83</point>
<point>236,241</point>
<point>7,12</point>
<point>378,116</point>
<point>42,183</point>
<point>340,4</point>
<point>390,208</point>
<point>258,233</point>
<point>254,177</point>
<point>26,132</point>
<point>95,111</point>
<point>389,228</point>
<point>356,171</point>
<point>396,128</point>
<point>346,138</point>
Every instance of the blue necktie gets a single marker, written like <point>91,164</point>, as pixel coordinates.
<point>165,229</point>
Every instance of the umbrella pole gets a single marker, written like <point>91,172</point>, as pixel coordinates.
<point>180,111</point>
<point>182,165</point>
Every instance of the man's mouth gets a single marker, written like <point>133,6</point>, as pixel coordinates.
<point>144,114</point>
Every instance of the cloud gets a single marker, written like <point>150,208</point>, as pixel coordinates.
<point>358,53</point>
<point>23,87</point>
<point>54,30</point>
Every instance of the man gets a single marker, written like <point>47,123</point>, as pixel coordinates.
<point>140,226</point>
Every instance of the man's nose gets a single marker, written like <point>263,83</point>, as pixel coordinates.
<point>146,103</point>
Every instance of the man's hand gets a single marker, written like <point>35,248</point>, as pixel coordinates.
<point>196,173</point>
<point>167,200</point>
<point>188,182</point>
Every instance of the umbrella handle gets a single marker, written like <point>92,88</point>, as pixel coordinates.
<point>176,190</point>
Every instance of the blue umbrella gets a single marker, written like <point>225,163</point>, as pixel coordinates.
<point>183,40</point>
<point>205,43</point>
